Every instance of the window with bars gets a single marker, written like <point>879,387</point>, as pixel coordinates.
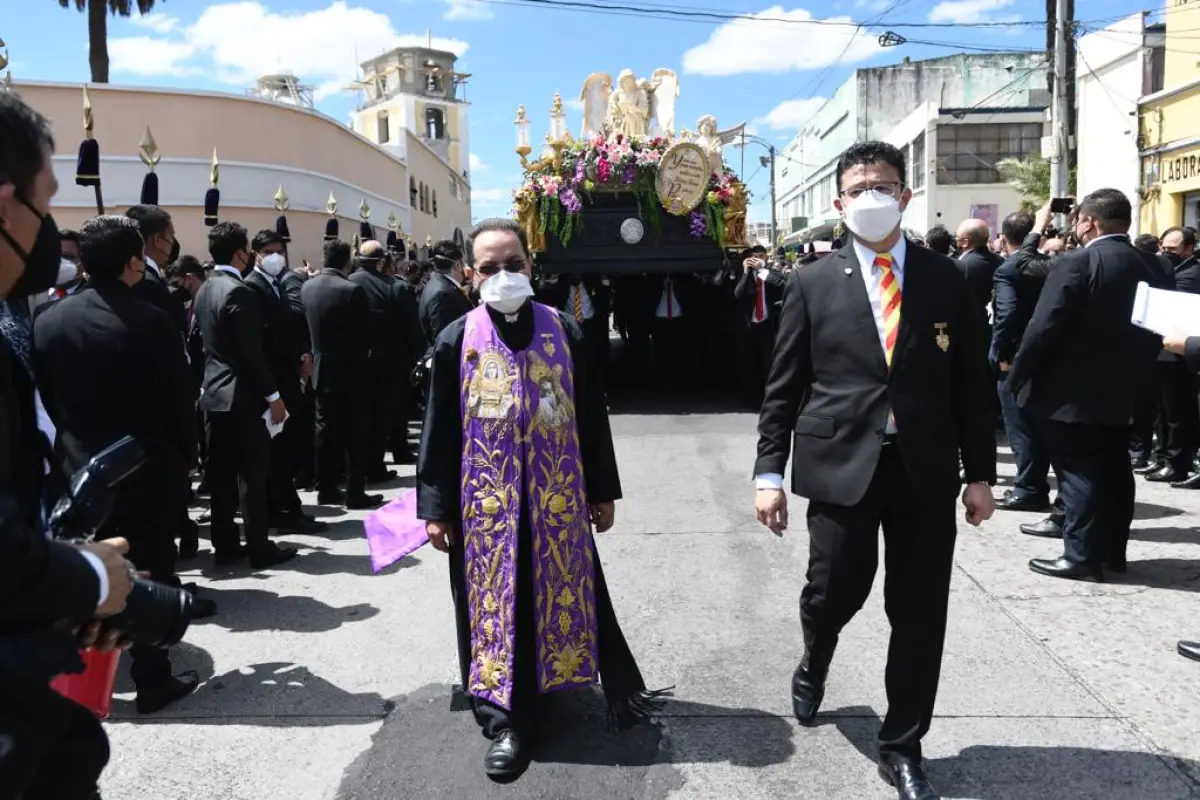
<point>969,153</point>
<point>916,169</point>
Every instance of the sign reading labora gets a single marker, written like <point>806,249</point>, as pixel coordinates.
<point>1180,171</point>
<point>682,180</point>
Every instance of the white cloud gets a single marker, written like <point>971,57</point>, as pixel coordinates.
<point>467,11</point>
<point>476,164</point>
<point>575,104</point>
<point>238,42</point>
<point>749,45</point>
<point>873,5</point>
<point>158,22</point>
<point>490,197</point>
<point>791,115</point>
<point>969,12</point>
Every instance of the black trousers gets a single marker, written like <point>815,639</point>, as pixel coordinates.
<point>523,715</point>
<point>672,358</point>
<point>281,487</point>
<point>341,441</point>
<point>1142,446</point>
<point>760,339</point>
<point>239,459</point>
<point>918,557</point>
<point>381,412</point>
<point>1029,451</point>
<point>202,428</point>
<point>1095,483</point>
<point>303,421</point>
<point>596,339</point>
<point>404,407</point>
<point>50,748</point>
<point>151,539</point>
<point>1181,414</point>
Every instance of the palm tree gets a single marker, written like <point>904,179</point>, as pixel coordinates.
<point>1030,176</point>
<point>98,11</point>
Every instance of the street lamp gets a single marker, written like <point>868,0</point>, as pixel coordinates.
<point>557,138</point>
<point>765,161</point>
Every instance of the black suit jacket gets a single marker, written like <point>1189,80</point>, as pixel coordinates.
<point>109,365</point>
<point>41,581</point>
<point>282,345</point>
<point>406,295</point>
<point>441,303</point>
<point>1082,360</point>
<point>1187,276</point>
<point>979,267</point>
<point>292,284</point>
<point>155,291</point>
<point>746,290</point>
<point>829,389</point>
<point>338,315</point>
<point>387,328</point>
<point>237,375</point>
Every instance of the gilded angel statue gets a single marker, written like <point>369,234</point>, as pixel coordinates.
<point>597,89</point>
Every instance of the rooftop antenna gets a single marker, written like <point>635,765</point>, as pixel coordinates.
<point>428,39</point>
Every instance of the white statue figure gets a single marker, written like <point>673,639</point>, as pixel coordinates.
<point>629,107</point>
<point>709,139</point>
<point>664,88</point>
<point>595,94</point>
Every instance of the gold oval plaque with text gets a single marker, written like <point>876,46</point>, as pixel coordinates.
<point>682,178</point>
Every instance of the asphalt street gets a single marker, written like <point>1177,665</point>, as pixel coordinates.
<point>324,682</point>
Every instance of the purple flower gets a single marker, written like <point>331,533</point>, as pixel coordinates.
<point>580,171</point>
<point>630,173</point>
<point>570,201</point>
<point>697,225</point>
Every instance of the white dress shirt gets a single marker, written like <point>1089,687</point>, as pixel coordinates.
<point>579,291</point>
<point>273,396</point>
<point>873,278</point>
<point>152,264</point>
<point>668,303</point>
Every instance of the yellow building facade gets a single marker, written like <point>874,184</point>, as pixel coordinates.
<point>1169,126</point>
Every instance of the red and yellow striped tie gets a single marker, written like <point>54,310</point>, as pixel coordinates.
<point>889,299</point>
<point>579,303</point>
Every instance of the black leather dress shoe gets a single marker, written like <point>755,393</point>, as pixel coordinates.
<point>1014,502</point>
<point>1167,475</point>
<point>1061,568</point>
<point>271,556</point>
<point>506,758</point>
<point>1187,483</point>
<point>156,698</point>
<point>1189,650</point>
<point>1151,466</point>
<point>1047,529</point>
<point>364,501</point>
<point>1138,463</point>
<point>808,686</point>
<point>908,778</point>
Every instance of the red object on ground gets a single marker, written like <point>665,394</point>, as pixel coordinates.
<point>92,688</point>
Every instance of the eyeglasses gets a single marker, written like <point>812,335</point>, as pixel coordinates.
<point>887,189</point>
<point>515,265</point>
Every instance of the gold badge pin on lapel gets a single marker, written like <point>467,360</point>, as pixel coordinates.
<point>942,338</point>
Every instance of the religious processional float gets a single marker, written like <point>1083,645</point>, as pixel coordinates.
<point>630,194</point>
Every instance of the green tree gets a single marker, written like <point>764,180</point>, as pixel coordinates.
<point>98,11</point>
<point>1030,176</point>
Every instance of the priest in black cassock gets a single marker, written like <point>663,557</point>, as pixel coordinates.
<point>532,609</point>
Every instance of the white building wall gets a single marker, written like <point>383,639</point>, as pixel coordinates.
<point>1109,72</point>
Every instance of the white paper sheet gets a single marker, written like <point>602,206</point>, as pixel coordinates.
<point>274,429</point>
<point>1166,312</point>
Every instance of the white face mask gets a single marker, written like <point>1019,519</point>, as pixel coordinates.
<point>506,291</point>
<point>67,272</point>
<point>273,264</point>
<point>872,216</point>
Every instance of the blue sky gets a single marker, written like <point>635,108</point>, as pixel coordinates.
<point>769,72</point>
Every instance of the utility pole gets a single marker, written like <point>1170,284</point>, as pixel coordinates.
<point>774,222</point>
<point>1060,113</point>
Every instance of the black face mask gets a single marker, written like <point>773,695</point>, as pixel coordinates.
<point>42,262</point>
<point>174,256</point>
<point>1174,258</point>
<point>181,294</point>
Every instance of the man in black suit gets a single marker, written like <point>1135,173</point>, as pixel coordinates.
<point>339,318</point>
<point>977,262</point>
<point>158,231</point>
<point>406,294</point>
<point>1017,284</point>
<point>879,381</point>
<point>284,349</point>
<point>238,388</point>
<point>444,298</point>
<point>1177,383</point>
<point>304,458</point>
<point>108,366</point>
<point>1078,371</point>
<point>588,300</point>
<point>389,360</point>
<point>42,582</point>
<point>186,275</point>
<point>758,293</point>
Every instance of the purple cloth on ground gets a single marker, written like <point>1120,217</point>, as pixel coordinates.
<point>394,531</point>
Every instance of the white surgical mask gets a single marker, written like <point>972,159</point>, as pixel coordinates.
<point>506,291</point>
<point>273,264</point>
<point>872,216</point>
<point>67,272</point>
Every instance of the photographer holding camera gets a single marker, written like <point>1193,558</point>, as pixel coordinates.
<point>50,747</point>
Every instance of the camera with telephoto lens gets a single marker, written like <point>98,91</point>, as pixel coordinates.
<point>155,614</point>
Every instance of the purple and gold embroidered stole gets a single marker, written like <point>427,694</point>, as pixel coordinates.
<point>521,456</point>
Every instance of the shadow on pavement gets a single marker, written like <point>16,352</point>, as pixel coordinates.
<point>1152,511</point>
<point>1166,535</point>
<point>1179,574</point>
<point>424,750</point>
<point>1002,772</point>
<point>276,695</point>
<point>318,561</point>
<point>246,610</point>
